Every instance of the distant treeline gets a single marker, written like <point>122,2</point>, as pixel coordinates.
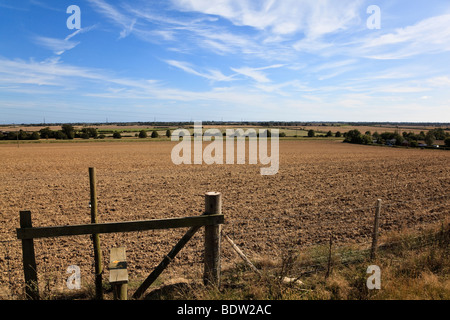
<point>67,132</point>
<point>410,139</point>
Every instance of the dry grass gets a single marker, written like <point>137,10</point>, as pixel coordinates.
<point>413,266</point>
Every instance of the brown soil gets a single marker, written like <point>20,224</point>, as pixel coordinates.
<point>315,193</point>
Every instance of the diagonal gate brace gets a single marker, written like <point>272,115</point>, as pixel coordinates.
<point>165,262</point>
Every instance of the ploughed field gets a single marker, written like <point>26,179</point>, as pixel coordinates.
<point>321,188</point>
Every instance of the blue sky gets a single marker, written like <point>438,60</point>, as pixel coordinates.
<point>186,60</point>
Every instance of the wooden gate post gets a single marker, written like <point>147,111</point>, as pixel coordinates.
<point>211,275</point>
<point>96,237</point>
<point>29,259</point>
<point>376,223</point>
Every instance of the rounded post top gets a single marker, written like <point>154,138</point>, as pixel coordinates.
<point>212,193</point>
<point>213,203</point>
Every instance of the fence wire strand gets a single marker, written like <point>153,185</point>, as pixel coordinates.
<point>417,213</point>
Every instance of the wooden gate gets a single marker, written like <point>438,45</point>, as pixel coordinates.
<point>212,218</point>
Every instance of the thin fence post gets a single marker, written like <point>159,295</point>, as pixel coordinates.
<point>241,254</point>
<point>329,258</point>
<point>96,237</point>
<point>29,260</point>
<point>373,252</point>
<point>211,276</point>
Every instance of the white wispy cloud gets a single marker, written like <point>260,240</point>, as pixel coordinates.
<point>440,81</point>
<point>116,16</point>
<point>256,73</point>
<point>428,36</point>
<point>273,24</point>
<point>311,17</point>
<point>47,72</point>
<point>49,76</point>
<point>127,30</point>
<point>212,74</point>
<point>59,46</point>
<point>281,29</point>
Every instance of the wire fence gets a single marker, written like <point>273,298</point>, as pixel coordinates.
<point>345,229</point>
<point>258,237</point>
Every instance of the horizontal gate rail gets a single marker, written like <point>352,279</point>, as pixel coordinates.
<point>127,226</point>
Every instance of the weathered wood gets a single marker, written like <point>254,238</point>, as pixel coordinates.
<point>29,260</point>
<point>211,275</point>
<point>327,274</point>
<point>118,265</point>
<point>165,262</point>
<point>120,291</point>
<point>93,193</point>
<point>118,274</point>
<point>376,223</point>
<point>116,227</point>
<point>95,237</point>
<point>241,254</point>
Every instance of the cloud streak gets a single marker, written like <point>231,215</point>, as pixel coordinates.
<point>313,18</point>
<point>116,16</point>
<point>59,46</point>
<point>255,73</point>
<point>213,75</point>
<point>429,36</point>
